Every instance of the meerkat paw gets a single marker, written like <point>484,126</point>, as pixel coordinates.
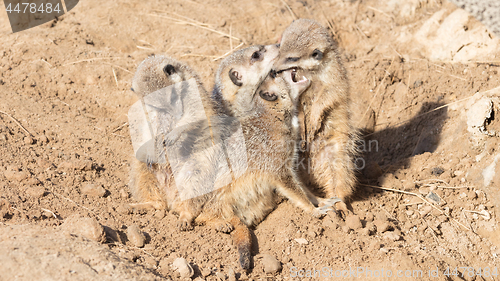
<point>184,225</point>
<point>223,226</point>
<point>340,206</point>
<point>337,204</point>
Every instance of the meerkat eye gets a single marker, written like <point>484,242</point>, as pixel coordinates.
<point>317,54</point>
<point>256,55</point>
<point>292,59</point>
<point>235,77</point>
<point>169,69</point>
<point>268,96</point>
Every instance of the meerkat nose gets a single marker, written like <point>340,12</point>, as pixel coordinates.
<point>273,73</point>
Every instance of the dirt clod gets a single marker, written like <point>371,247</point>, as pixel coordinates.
<point>353,222</point>
<point>135,236</point>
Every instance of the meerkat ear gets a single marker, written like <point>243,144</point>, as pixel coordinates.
<point>317,54</point>
<point>268,96</point>
<point>235,77</point>
<point>169,69</point>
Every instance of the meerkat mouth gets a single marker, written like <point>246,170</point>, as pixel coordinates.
<point>295,77</point>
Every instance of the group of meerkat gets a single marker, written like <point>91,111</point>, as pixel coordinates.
<point>291,102</point>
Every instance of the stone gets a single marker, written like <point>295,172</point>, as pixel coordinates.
<point>135,236</point>
<point>271,264</point>
<point>391,236</point>
<point>301,241</point>
<point>353,222</point>
<point>382,226</point>
<point>95,190</point>
<point>87,227</point>
<point>183,267</point>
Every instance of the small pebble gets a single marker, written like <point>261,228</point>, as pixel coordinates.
<point>409,212</point>
<point>424,190</point>
<point>35,191</point>
<point>15,176</point>
<point>368,230</point>
<point>301,241</point>
<point>353,222</point>
<point>437,171</point>
<point>87,227</point>
<point>43,139</point>
<point>183,267</point>
<point>382,226</point>
<point>369,217</point>
<point>271,264</point>
<point>135,236</point>
<point>160,214</point>
<point>433,197</point>
<point>3,137</point>
<point>28,140</point>
<point>95,190</point>
<point>221,276</point>
<point>206,271</point>
<point>164,267</point>
<point>425,210</point>
<point>123,193</point>
<point>391,236</point>
<point>346,229</point>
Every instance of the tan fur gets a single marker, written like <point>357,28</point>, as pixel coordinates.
<point>271,150</point>
<point>325,108</point>
<point>153,185</point>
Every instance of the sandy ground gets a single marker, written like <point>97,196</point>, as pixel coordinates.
<point>424,80</point>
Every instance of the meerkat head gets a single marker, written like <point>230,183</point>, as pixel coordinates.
<point>305,45</point>
<point>277,93</point>
<point>241,73</point>
<point>157,72</point>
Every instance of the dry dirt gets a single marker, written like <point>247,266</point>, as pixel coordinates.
<point>419,71</point>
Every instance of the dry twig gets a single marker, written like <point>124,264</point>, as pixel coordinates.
<point>17,122</point>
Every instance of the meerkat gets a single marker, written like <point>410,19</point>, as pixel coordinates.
<point>265,106</point>
<point>152,184</point>
<point>326,130</point>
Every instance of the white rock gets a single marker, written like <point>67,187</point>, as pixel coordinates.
<point>301,241</point>
<point>271,264</point>
<point>478,114</point>
<point>489,172</point>
<point>183,267</point>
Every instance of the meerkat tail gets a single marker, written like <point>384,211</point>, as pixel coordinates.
<point>242,241</point>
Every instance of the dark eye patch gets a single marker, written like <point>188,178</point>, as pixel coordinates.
<point>268,96</point>
<point>256,55</point>
<point>292,59</point>
<point>317,54</point>
<point>169,69</point>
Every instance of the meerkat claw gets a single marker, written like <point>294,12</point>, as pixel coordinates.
<point>320,212</point>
